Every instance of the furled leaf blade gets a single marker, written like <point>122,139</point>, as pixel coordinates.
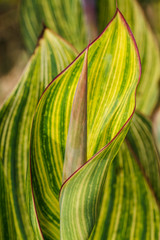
<point>76,144</point>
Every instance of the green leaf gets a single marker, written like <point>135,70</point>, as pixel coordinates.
<point>147,92</point>
<point>128,207</point>
<point>81,194</point>
<point>113,74</point>
<point>142,145</point>
<point>63,17</point>
<point>50,57</point>
<point>7,223</point>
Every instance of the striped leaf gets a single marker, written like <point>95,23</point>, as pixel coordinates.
<point>8,226</point>
<point>113,73</point>
<point>128,206</point>
<point>147,92</point>
<point>63,17</point>
<point>141,143</point>
<point>50,57</point>
<point>81,194</point>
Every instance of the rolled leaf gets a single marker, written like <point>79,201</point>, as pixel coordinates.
<point>113,75</point>
<point>76,146</point>
<point>50,57</point>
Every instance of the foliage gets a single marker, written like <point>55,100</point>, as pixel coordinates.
<point>77,161</point>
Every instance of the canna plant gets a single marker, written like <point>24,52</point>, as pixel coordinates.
<point>78,157</point>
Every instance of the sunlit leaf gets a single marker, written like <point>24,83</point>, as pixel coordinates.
<point>113,74</point>
<point>147,92</point>
<point>80,198</point>
<point>51,56</point>
<point>128,208</point>
<point>7,223</point>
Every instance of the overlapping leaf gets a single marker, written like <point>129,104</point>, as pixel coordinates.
<point>59,17</point>
<point>90,207</point>
<point>51,56</point>
<point>80,198</point>
<point>64,17</point>
<point>76,144</point>
<point>6,214</point>
<point>113,73</point>
<point>128,209</point>
<point>142,145</point>
<point>147,92</point>
<point>130,204</point>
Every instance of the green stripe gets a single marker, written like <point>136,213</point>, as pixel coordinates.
<point>147,93</point>
<point>16,118</point>
<point>141,142</point>
<point>113,75</point>
<point>134,212</point>
<point>63,17</point>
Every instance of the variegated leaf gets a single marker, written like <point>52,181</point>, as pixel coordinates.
<point>63,17</point>
<point>141,143</point>
<point>147,92</point>
<point>129,208</point>
<point>113,74</point>
<point>50,57</point>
